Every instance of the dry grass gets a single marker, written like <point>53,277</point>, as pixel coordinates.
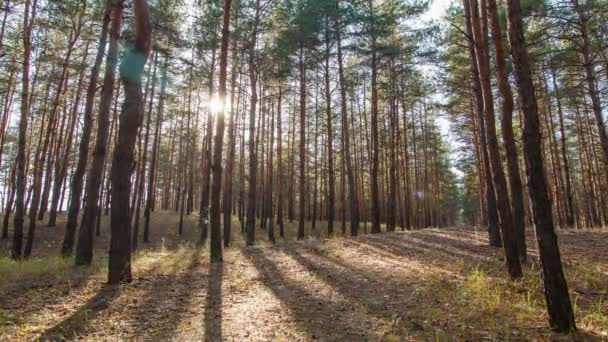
<point>423,285</point>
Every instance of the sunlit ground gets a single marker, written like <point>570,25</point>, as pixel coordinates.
<point>429,284</point>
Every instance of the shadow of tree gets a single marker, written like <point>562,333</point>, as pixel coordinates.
<point>429,250</point>
<point>157,296</point>
<point>213,306</point>
<point>310,310</point>
<point>164,304</point>
<point>386,293</point>
<point>79,320</point>
<point>382,293</point>
<point>53,287</point>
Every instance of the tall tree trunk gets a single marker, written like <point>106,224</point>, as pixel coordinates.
<point>302,156</point>
<point>491,210</point>
<point>561,316</point>
<point>570,211</point>
<point>250,225</point>
<point>28,19</point>
<point>155,147</point>
<point>84,248</point>
<point>392,168</point>
<point>269,181</point>
<point>315,181</point>
<point>517,198</point>
<point>74,35</point>
<point>40,196</point>
<point>144,159</point>
<point>331,176</point>
<point>498,177</point>
<point>590,78</point>
<point>7,110</point>
<point>131,68</point>
<point>375,148</point>
<point>206,182</point>
<point>63,170</point>
<point>234,114</point>
<point>406,168</point>
<point>280,178</point>
<point>216,168</point>
<point>9,203</point>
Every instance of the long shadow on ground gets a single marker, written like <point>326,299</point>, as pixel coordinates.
<point>165,302</point>
<point>383,294</point>
<point>311,312</point>
<point>213,306</point>
<point>78,321</point>
<point>148,312</point>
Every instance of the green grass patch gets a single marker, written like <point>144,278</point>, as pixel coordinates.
<point>42,269</point>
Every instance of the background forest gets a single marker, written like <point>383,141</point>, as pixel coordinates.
<point>141,126</point>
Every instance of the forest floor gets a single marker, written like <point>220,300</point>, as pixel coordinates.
<point>431,284</point>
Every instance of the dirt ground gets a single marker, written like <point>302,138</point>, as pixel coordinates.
<point>432,284</point>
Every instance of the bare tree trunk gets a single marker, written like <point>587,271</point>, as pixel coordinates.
<point>9,203</point>
<point>570,211</point>
<point>302,154</point>
<point>132,65</point>
<point>406,168</point>
<point>561,316</point>
<point>517,198</point>
<point>216,190</point>
<point>491,210</point>
<point>269,181</point>
<point>155,147</point>
<point>331,176</point>
<point>63,170</point>
<point>228,186</point>
<point>28,19</point>
<point>498,177</point>
<point>375,148</point>
<point>392,168</point>
<point>280,178</point>
<point>7,109</point>
<point>206,186</point>
<point>144,159</point>
<point>591,79</point>
<point>84,249</point>
<point>250,225</point>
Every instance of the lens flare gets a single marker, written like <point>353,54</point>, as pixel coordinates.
<point>216,105</point>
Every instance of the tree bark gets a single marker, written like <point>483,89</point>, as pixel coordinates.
<point>498,177</point>
<point>331,176</point>
<point>155,147</point>
<point>280,183</point>
<point>491,210</point>
<point>591,79</point>
<point>28,19</point>
<point>234,115</point>
<point>375,149</point>
<point>561,316</point>
<point>63,169</point>
<point>570,211</point>
<point>144,159</point>
<point>131,68</point>
<point>517,198</point>
<point>302,156</point>
<point>84,248</point>
<point>206,186</point>
<point>216,168</point>
<point>269,181</point>
<point>251,205</point>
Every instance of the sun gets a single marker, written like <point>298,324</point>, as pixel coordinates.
<point>216,105</point>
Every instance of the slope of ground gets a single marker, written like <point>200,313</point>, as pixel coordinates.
<point>432,284</point>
